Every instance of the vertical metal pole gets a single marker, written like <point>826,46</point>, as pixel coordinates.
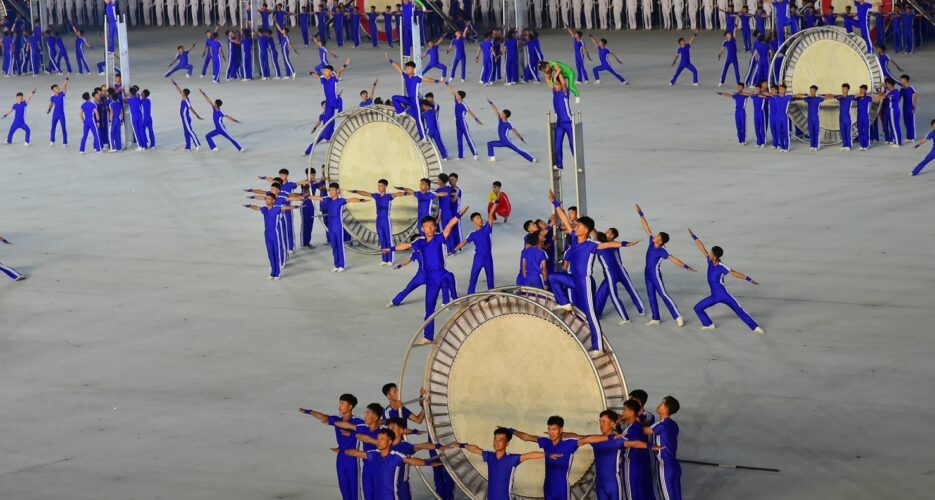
<point>555,184</point>
<point>125,76</point>
<point>580,180</point>
<point>416,37</point>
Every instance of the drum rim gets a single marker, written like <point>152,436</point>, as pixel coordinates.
<point>581,489</point>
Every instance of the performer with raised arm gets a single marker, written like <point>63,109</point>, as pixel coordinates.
<point>385,464</point>
<point>432,247</point>
<point>655,254</point>
<point>218,117</point>
<point>333,208</point>
<point>717,270</point>
<point>559,451</point>
<point>504,127</point>
<point>383,202</point>
<point>501,466</point>
<point>483,248</point>
<point>271,214</point>
<point>347,440</point>
<point>409,103</point>
<point>578,281</point>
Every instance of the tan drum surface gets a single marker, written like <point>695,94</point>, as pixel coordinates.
<point>516,370</point>
<point>381,150</point>
<point>828,64</point>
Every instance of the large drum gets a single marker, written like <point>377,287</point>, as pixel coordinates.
<point>372,143</point>
<point>827,56</point>
<point>504,357</point>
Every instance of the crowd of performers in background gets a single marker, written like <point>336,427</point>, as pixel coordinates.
<point>539,14</point>
<point>635,455</point>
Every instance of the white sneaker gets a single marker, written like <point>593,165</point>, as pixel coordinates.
<point>597,82</point>
<point>694,84</point>
<point>493,158</point>
<point>623,322</point>
<point>577,100</point>
<point>643,313</point>
<point>389,305</point>
<point>595,354</point>
<point>269,278</point>
<point>334,269</point>
<point>565,307</point>
<point>475,157</point>
<point>758,330</point>
<point>276,278</point>
<point>720,85</point>
<point>679,321</point>
<point>340,270</point>
<point>51,144</point>
<point>708,328</point>
<point>653,322</point>
<point>26,144</point>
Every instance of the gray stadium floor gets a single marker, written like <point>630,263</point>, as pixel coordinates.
<point>147,356</point>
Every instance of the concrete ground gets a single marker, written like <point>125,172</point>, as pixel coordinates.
<point>147,357</point>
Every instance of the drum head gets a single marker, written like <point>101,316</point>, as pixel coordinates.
<point>827,57</point>
<point>370,144</point>
<point>503,358</point>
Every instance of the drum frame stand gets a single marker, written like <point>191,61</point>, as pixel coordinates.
<point>555,176</point>
<point>110,67</point>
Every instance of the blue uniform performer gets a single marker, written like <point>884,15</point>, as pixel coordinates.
<point>655,254</point>
<point>717,271</point>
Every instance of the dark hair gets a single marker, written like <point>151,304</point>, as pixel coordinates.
<point>672,404</point>
<point>85,96</point>
<point>475,214</point>
<point>277,185</point>
<point>639,395</point>
<point>846,86</point>
<point>813,87</point>
<point>384,182</point>
<point>614,230</point>
<point>665,237</point>
<point>532,238</point>
<point>378,100</point>
<point>310,170</point>
<point>586,222</point>
<point>376,408</point>
<point>443,177</point>
<point>604,41</point>
<point>863,87</point>
<point>503,431</point>
<point>889,81</point>
<point>497,183</point>
<point>507,113</point>
<point>555,420</point>
<point>362,92</point>
<point>388,433</point>
<point>462,94</point>
<point>717,251</point>
<point>277,179</point>
<point>573,207</point>
<point>611,414</point>
<point>388,387</point>
<point>527,224</point>
<point>429,95</point>
<point>427,218</point>
<point>681,40</point>
<point>349,398</point>
<point>399,421</point>
<point>334,185</point>
<point>410,64</point>
<point>53,86</point>
<point>904,77</point>
<point>425,180</point>
<point>633,405</point>
<point>453,175</point>
<point>329,67</point>
<point>933,122</point>
<point>218,103</point>
<point>284,171</point>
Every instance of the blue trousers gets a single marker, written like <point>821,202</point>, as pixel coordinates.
<point>150,133</point>
<point>207,62</point>
<point>759,128</point>
<point>892,125</point>
<point>347,477</point>
<point>637,478</point>
<point>189,131</point>
<point>367,481</point>
<point>608,289</point>
<point>722,297</point>
<point>9,271</point>
<point>607,67</point>
<point>209,138</point>
<point>844,124</point>
<point>814,132</point>
<point>484,263</point>
<point>582,291</point>
<point>385,235</point>
<point>863,132</point>
<point>463,134</point>
<point>216,68</point>
<point>655,285</point>
<point>178,67</point>
<point>436,136</point>
<point>434,283</point>
<point>740,120</point>
<point>336,240</point>
<point>90,129</point>
<point>436,64</point>
<point>139,131</point>
<point>909,119</point>
<point>580,69</point>
<point>290,231</point>
<point>18,125</point>
<point>727,64</point>
<point>459,60</point>
<point>59,119</point>
<point>683,66</point>
<point>308,222</point>
<point>116,138</point>
<point>486,72</point>
<point>512,68</point>
<point>533,279</point>
<point>925,161</point>
<point>416,281</point>
<point>669,479</point>
<point>506,143</point>
<point>563,130</point>
<point>272,253</point>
